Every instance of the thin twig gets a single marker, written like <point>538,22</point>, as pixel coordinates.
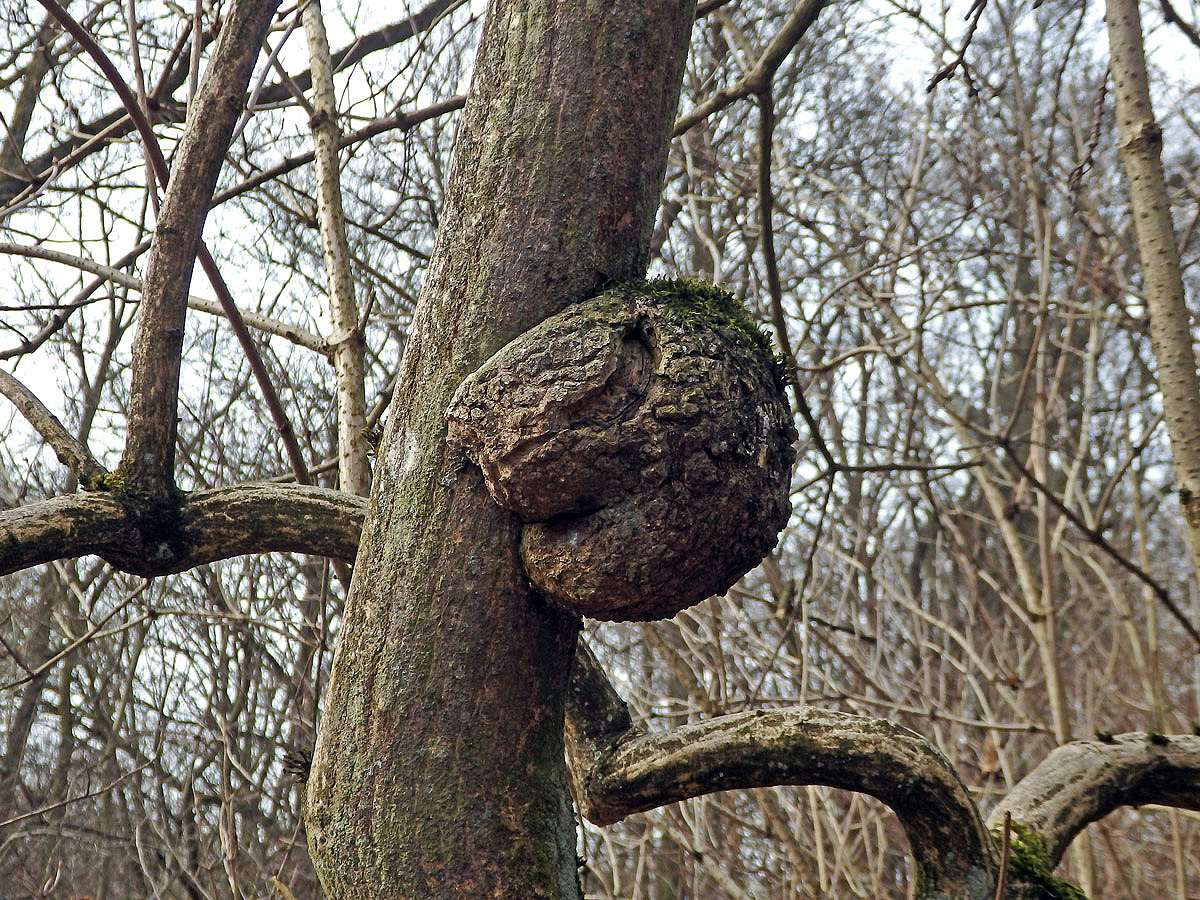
<point>1089,150</point>
<point>94,632</point>
<point>975,13</point>
<point>299,336</point>
<point>758,79</point>
<point>69,800</point>
<point>766,203</point>
<point>1189,31</point>
<point>81,299</point>
<point>1005,849</point>
<point>401,121</point>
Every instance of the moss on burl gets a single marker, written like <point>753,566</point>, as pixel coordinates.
<point>1030,872</point>
<point>701,304</point>
<point>644,438</point>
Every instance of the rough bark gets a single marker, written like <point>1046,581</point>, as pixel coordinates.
<point>1140,145</point>
<point>206,526</point>
<point>617,771</point>
<point>444,711</point>
<point>1082,782</point>
<point>149,458</point>
<point>644,438</point>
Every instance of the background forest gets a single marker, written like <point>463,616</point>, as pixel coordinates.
<point>984,527</point>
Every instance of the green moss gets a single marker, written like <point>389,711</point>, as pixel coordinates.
<point>1158,738</point>
<point>113,482</point>
<point>1029,863</point>
<point>696,303</point>
<point>155,517</point>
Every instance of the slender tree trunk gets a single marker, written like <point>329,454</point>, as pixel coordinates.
<point>1140,141</point>
<point>149,458</point>
<point>354,475</point>
<point>439,767</point>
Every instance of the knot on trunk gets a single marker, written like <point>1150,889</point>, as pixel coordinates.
<point>644,438</point>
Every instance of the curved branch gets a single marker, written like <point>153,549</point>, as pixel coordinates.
<point>204,527</point>
<point>59,528</point>
<point>1084,781</point>
<point>1189,31</point>
<point>617,771</point>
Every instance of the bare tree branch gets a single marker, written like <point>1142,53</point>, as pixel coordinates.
<point>299,336</point>
<point>354,474</point>
<point>758,79</point>
<point>208,526</point>
<point>617,771</point>
<point>402,121</point>
<point>1189,30</point>
<point>71,452</point>
<point>1083,781</point>
<point>117,123</point>
<point>150,447</point>
<point>388,36</point>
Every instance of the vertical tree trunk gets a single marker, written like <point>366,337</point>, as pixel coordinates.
<point>1140,145</point>
<point>354,475</point>
<point>439,765</point>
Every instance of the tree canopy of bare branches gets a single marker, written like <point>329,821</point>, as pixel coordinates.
<point>254,252</point>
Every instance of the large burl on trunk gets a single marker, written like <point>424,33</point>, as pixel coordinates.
<point>439,770</point>
<point>644,439</point>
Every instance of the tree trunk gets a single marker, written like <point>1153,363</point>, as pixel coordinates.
<point>1140,145</point>
<point>439,768</point>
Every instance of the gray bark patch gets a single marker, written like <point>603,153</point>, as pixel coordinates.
<point>644,439</point>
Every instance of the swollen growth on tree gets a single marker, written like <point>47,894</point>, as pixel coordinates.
<point>595,451</point>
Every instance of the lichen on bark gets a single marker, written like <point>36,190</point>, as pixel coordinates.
<point>644,439</point>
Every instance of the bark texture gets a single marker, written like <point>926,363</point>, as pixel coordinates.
<point>645,437</point>
<point>438,770</point>
<point>149,458</point>
<point>618,770</point>
<point>1082,782</point>
<point>1140,145</point>
<point>145,538</point>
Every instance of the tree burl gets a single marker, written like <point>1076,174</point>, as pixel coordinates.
<point>644,438</point>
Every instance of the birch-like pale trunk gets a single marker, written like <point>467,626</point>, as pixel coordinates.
<point>1140,145</point>
<point>354,475</point>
